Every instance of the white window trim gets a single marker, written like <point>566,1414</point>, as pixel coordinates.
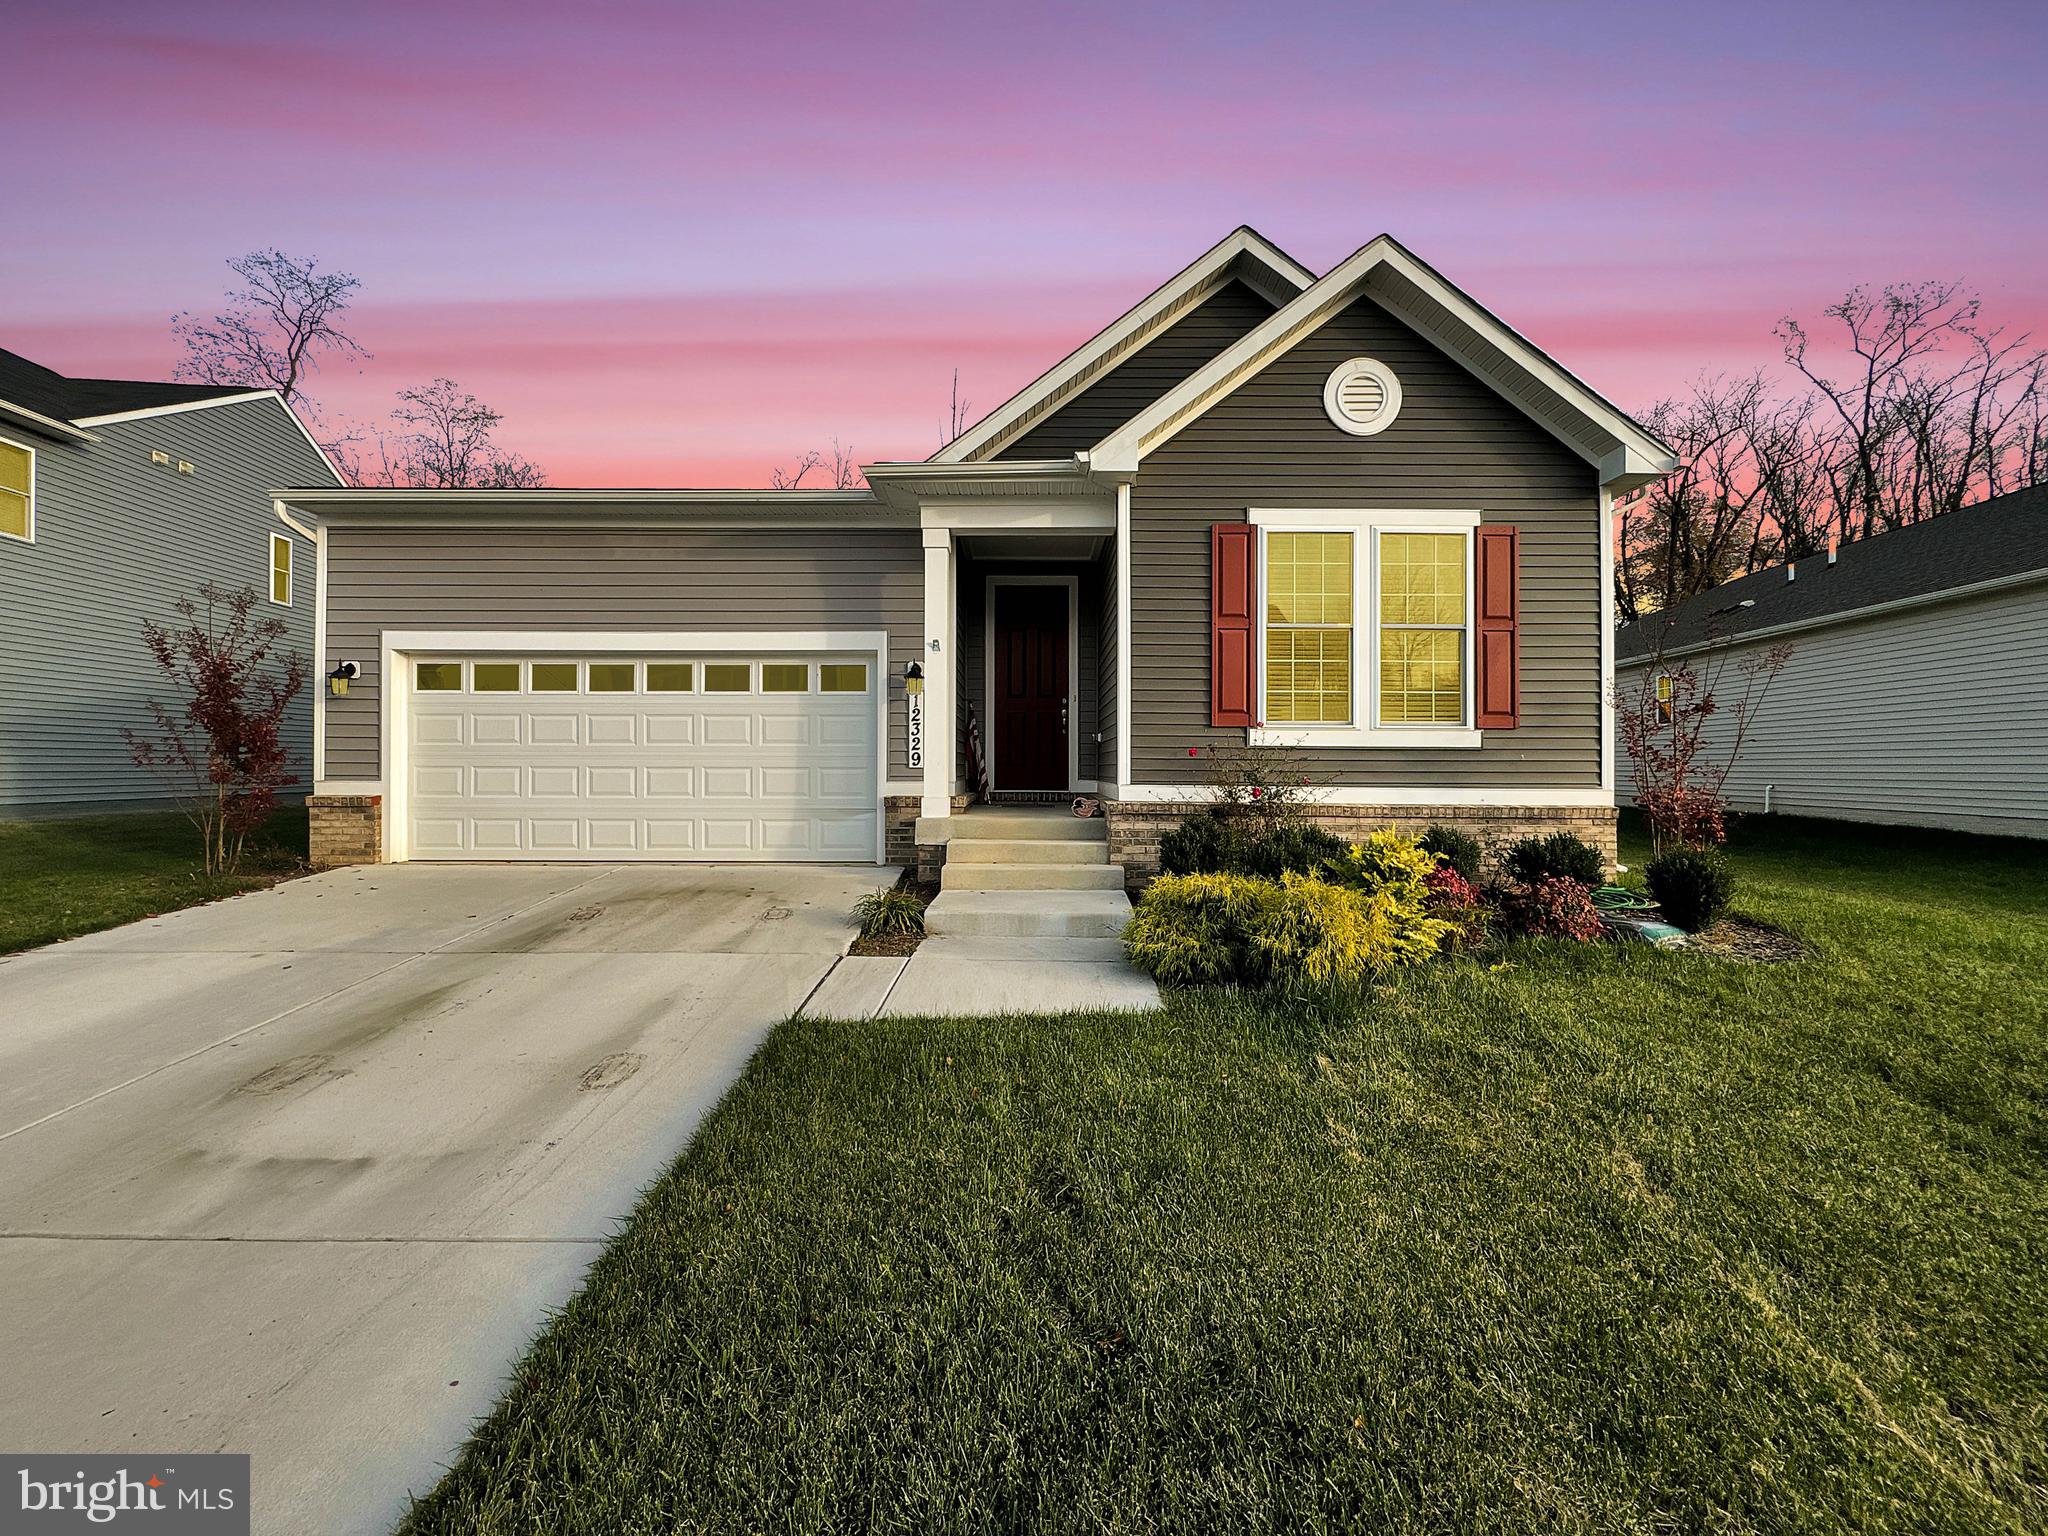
<point>29,537</point>
<point>1365,524</point>
<point>291,569</point>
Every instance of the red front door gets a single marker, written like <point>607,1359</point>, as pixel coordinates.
<point>1030,705</point>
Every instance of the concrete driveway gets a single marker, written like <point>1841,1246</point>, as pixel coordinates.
<point>301,1173</point>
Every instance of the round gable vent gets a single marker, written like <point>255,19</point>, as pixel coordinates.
<point>1363,396</point>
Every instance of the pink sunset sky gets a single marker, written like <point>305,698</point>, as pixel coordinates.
<point>680,244</point>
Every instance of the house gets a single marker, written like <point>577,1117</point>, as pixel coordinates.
<point>1916,691</point>
<point>116,499</point>
<point>1354,517</point>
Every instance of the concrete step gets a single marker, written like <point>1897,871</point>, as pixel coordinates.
<point>964,875</point>
<point>1028,914</point>
<point>1019,850</point>
<point>1031,822</point>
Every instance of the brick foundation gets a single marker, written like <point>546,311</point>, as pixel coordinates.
<point>1136,827</point>
<point>344,829</point>
<point>899,821</point>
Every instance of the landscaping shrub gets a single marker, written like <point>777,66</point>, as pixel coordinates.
<point>1458,850</point>
<point>1559,856</point>
<point>1458,902</point>
<point>1384,858</point>
<point>1691,885</point>
<point>1210,843</point>
<point>888,913</point>
<point>1194,929</point>
<point>1549,908</point>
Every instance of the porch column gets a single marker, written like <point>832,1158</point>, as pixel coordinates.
<point>940,682</point>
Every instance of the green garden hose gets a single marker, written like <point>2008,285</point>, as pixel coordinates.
<point>1616,898</point>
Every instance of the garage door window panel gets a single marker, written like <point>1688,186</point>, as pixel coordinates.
<point>437,676</point>
<point>728,677</point>
<point>785,677</point>
<point>842,677</point>
<point>554,677</point>
<point>494,677</point>
<point>611,676</point>
<point>670,677</point>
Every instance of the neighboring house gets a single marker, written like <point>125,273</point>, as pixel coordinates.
<point>116,499</point>
<point>1917,687</point>
<point>1354,516</point>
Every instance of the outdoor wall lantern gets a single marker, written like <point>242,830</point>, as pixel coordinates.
<point>337,680</point>
<point>913,678</point>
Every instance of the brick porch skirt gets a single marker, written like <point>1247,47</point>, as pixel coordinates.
<point>1135,827</point>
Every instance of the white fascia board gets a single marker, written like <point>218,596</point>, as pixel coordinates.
<point>1121,451</point>
<point>1206,270</point>
<point>1406,797</point>
<point>49,426</point>
<point>1829,620</point>
<point>1021,517</point>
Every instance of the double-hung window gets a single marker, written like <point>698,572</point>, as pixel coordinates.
<point>17,490</point>
<point>1366,628</point>
<point>281,569</point>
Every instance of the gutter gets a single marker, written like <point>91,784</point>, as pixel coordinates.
<point>1845,616</point>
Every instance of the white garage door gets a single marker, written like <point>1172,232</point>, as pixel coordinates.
<point>661,757</point>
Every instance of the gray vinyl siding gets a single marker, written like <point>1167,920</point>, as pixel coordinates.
<point>1456,446</point>
<point>973,576</point>
<point>1145,375</point>
<point>118,540</point>
<point>1107,712</point>
<point>608,579</point>
<point>1934,716</point>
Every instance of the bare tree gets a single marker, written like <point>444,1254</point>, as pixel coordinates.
<point>277,325</point>
<point>783,478</point>
<point>957,418</point>
<point>441,438</point>
<point>846,475</point>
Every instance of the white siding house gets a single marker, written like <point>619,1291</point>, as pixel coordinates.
<point>1917,689</point>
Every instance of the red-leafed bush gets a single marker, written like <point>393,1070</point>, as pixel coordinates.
<point>219,743</point>
<point>1553,908</point>
<point>1457,901</point>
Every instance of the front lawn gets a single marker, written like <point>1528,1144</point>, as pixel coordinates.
<point>59,879</point>
<point>1598,1240</point>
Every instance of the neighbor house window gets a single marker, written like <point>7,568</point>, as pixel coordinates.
<point>281,569</point>
<point>1308,627</point>
<point>17,490</point>
<point>1422,585</point>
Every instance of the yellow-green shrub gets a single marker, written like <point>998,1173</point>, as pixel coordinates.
<point>1298,930</point>
<point>1385,858</point>
<point>1192,929</point>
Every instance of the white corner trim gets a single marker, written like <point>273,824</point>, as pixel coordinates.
<point>1607,744</point>
<point>320,667</point>
<point>1402,797</point>
<point>1390,391</point>
<point>28,533</point>
<point>1009,419</point>
<point>1123,633</point>
<point>988,668</point>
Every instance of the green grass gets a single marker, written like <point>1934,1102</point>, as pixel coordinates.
<point>59,879</point>
<point>1597,1240</point>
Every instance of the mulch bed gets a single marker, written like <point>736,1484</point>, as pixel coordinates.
<point>1742,938</point>
<point>887,944</point>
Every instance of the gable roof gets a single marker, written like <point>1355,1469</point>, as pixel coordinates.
<point>1625,453</point>
<point>1243,255</point>
<point>51,395</point>
<point>1993,542</point>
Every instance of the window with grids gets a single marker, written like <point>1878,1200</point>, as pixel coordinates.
<point>17,490</point>
<point>280,569</point>
<point>1422,586</point>
<point>1308,628</point>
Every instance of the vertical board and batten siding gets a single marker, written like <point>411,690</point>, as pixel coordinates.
<point>1456,445</point>
<point>1145,375</point>
<point>973,577</point>
<point>1934,716</point>
<point>600,579</point>
<point>117,540</point>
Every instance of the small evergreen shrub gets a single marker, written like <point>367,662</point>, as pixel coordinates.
<point>1550,908</point>
<point>1559,856</point>
<point>888,913</point>
<point>1208,843</point>
<point>1692,886</point>
<point>1384,858</point>
<point>1457,850</point>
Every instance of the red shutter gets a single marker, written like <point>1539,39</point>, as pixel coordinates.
<point>1233,636</point>
<point>1499,629</point>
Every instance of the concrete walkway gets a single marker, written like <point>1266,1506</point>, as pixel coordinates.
<point>971,977</point>
<point>301,1173</point>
